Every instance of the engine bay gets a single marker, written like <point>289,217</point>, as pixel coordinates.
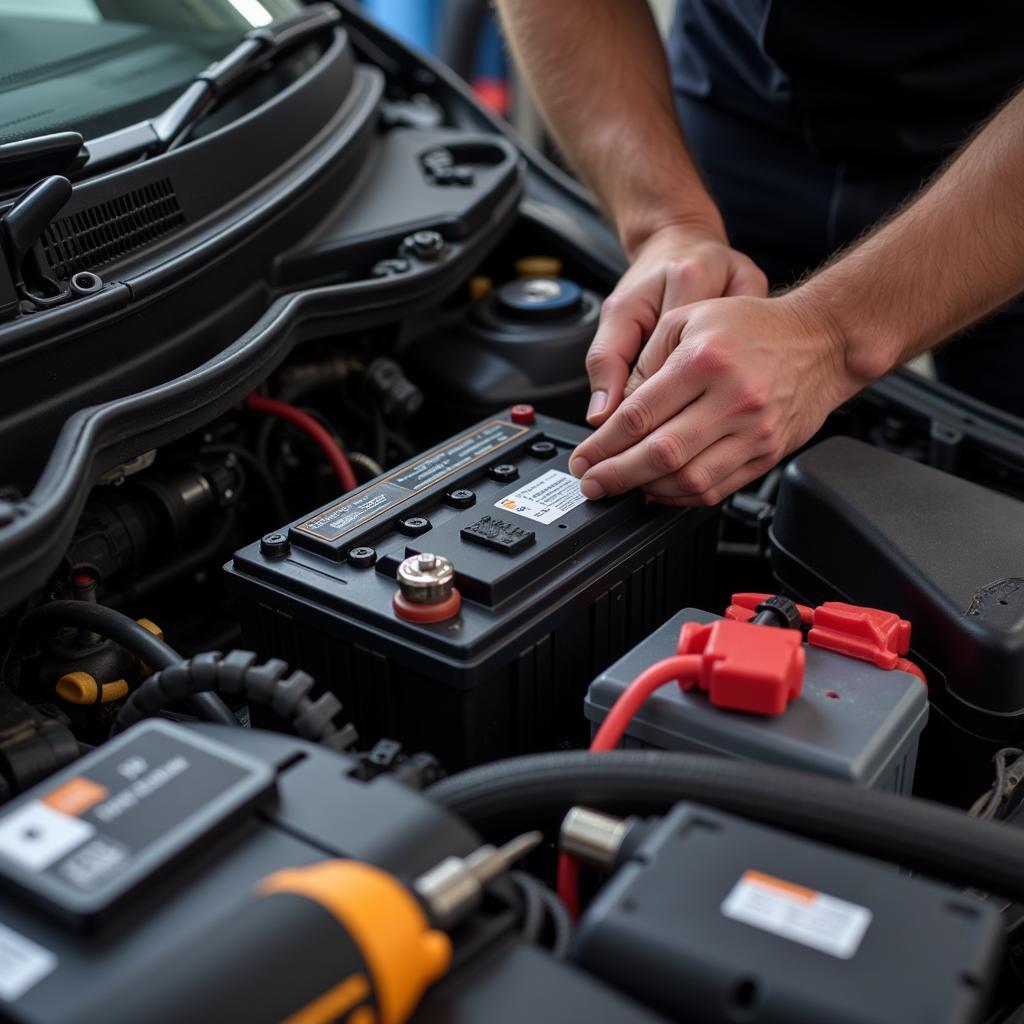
<point>299,603</point>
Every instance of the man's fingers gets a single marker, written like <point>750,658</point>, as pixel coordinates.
<point>666,450</point>
<point>659,347</point>
<point>627,318</point>
<point>747,279</point>
<point>718,471</point>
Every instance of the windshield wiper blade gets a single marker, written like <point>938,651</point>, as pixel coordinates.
<point>28,160</point>
<point>168,129</point>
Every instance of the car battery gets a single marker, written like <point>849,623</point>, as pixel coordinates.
<point>714,919</point>
<point>552,589</point>
<point>852,720</point>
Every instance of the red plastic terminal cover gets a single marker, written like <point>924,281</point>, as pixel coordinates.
<point>523,414</point>
<point>869,634</point>
<point>746,667</point>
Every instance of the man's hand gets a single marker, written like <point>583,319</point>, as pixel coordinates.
<point>675,266</point>
<point>739,383</point>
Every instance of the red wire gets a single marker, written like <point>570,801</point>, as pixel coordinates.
<point>309,426</point>
<point>684,666</point>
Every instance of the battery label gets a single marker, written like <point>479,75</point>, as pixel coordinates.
<point>544,499</point>
<point>406,483</point>
<point>86,839</point>
<point>813,919</point>
<point>23,964</point>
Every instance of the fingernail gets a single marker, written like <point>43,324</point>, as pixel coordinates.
<point>598,400</point>
<point>578,466</point>
<point>591,489</point>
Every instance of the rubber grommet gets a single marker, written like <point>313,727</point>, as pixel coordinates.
<point>426,613</point>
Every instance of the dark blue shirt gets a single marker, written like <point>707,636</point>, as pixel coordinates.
<point>895,81</point>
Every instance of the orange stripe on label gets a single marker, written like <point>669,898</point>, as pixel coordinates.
<point>76,796</point>
<point>797,892</point>
<point>333,1003</point>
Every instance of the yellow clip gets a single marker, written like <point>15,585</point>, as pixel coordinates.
<point>151,627</point>
<point>82,688</point>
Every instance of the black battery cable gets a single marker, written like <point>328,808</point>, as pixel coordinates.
<point>536,791</point>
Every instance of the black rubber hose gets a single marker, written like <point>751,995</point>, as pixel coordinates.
<point>116,626</point>
<point>507,797</point>
<point>288,696</point>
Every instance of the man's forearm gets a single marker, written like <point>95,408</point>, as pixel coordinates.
<point>598,71</point>
<point>953,255</point>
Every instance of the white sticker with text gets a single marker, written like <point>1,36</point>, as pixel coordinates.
<point>811,918</point>
<point>545,499</point>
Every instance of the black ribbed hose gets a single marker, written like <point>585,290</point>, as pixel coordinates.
<point>510,796</point>
<point>114,625</point>
<point>238,674</point>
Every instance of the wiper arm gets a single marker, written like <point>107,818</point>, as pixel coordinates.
<point>28,160</point>
<point>169,128</point>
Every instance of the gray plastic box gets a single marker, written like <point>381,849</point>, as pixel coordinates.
<point>852,721</point>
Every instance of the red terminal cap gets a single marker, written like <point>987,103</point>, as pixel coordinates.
<point>869,634</point>
<point>523,414</point>
<point>746,667</point>
<point>423,614</point>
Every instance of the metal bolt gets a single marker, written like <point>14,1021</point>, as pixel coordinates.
<point>426,245</point>
<point>426,578</point>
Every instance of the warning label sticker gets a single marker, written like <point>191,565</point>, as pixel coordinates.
<point>129,808</point>
<point>802,915</point>
<point>544,499</point>
<point>405,484</point>
<point>23,963</point>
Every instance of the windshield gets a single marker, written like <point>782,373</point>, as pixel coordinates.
<point>94,66</point>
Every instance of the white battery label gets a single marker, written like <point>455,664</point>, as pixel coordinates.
<point>812,918</point>
<point>23,964</point>
<point>544,499</point>
<point>36,836</point>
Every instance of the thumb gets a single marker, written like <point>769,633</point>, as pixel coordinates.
<point>624,324</point>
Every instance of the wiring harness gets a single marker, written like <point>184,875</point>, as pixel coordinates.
<point>238,674</point>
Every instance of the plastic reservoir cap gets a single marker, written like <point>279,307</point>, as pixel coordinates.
<point>539,298</point>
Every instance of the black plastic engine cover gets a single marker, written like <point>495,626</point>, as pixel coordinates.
<point>866,526</point>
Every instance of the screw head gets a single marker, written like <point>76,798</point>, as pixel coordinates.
<point>414,526</point>
<point>275,545</point>
<point>504,473</point>
<point>362,557</point>
<point>461,497</point>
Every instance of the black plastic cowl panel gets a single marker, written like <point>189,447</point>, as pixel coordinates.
<point>859,524</point>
